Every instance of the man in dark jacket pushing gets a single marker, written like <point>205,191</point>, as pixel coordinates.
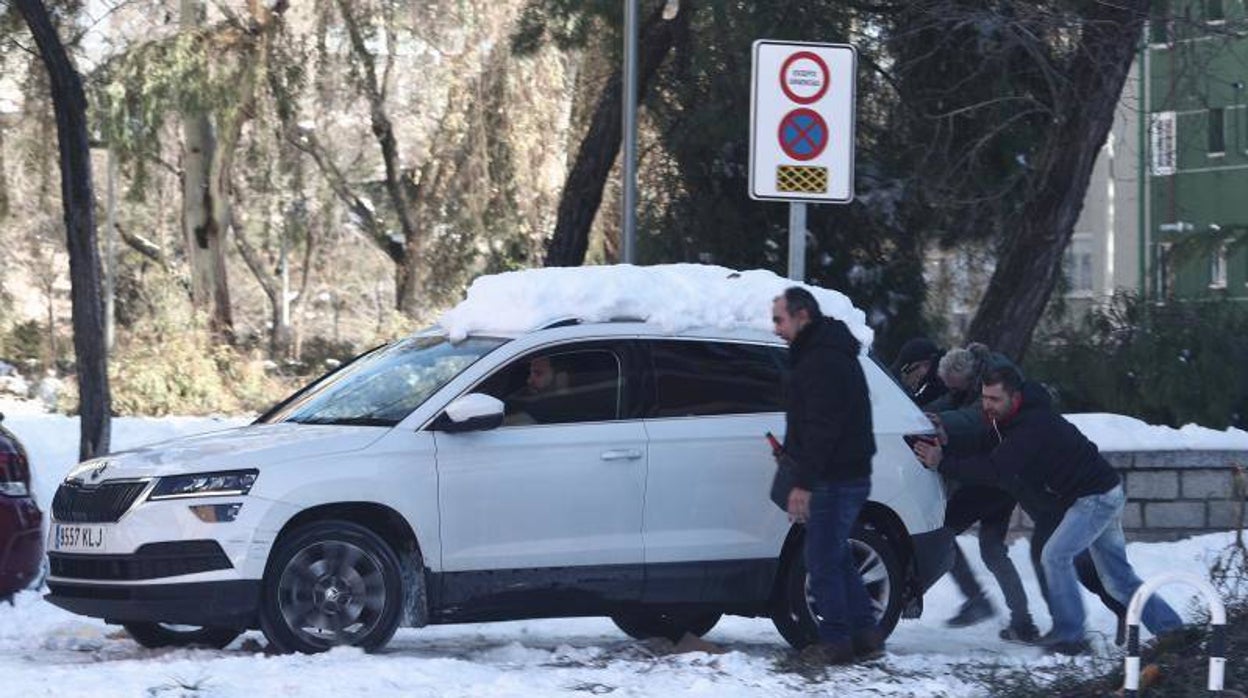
<point>1036,455</point>
<point>828,443</point>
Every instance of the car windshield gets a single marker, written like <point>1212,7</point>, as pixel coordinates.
<point>384,386</point>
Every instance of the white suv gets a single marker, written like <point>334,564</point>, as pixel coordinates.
<point>576,469</point>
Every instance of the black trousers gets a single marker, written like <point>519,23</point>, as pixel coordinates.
<point>991,508</point>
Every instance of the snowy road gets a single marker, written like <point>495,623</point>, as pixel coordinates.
<point>47,652</point>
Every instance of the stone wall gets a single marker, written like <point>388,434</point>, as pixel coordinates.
<point>1174,494</point>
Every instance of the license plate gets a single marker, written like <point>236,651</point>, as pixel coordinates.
<point>77,537</point>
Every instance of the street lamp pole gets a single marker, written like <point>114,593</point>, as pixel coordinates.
<point>628,226</point>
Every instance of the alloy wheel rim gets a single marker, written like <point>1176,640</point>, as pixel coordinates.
<point>874,575</point>
<point>332,593</point>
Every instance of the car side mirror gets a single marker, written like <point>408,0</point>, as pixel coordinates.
<point>472,412</point>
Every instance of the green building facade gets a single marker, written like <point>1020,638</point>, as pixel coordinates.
<point>1194,198</point>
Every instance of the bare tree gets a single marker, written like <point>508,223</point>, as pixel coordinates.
<point>1086,93</point>
<point>582,190</point>
<point>70,105</point>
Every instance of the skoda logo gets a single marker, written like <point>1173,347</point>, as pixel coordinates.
<point>98,470</point>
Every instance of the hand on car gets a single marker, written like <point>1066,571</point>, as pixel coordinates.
<point>940,427</point>
<point>929,454</point>
<point>799,505</point>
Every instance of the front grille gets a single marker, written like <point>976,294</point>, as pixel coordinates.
<point>75,503</point>
<point>150,561</point>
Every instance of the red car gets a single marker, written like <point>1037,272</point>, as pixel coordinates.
<point>21,539</point>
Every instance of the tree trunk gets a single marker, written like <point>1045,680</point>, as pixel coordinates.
<point>4,182</point>
<point>408,269</point>
<point>582,190</point>
<point>1027,273</point>
<point>70,105</point>
<point>205,206</point>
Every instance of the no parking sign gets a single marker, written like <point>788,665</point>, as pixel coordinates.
<point>802,122</point>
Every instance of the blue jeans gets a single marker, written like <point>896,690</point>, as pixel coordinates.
<point>843,607</point>
<point>1094,523</point>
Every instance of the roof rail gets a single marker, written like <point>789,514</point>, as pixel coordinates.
<point>571,321</point>
<point>559,322</point>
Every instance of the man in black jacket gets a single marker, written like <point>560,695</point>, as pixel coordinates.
<point>828,444</point>
<point>1044,461</point>
<point>915,366</point>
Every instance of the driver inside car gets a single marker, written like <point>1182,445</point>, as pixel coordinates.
<point>531,403</point>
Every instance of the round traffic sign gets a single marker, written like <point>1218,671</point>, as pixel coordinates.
<point>803,134</point>
<point>804,77</point>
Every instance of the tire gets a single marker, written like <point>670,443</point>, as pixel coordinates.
<point>794,611</point>
<point>331,583</point>
<point>644,623</point>
<point>156,635</point>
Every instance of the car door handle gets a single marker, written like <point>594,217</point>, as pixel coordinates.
<point>622,454</point>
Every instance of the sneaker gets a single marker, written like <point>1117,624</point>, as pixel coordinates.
<point>868,644</point>
<point>1026,633</point>
<point>975,610</point>
<point>827,653</point>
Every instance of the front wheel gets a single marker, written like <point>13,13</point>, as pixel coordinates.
<point>331,583</point>
<point>644,623</point>
<point>795,612</point>
<point>156,635</point>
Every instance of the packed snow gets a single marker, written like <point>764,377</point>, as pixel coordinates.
<point>1116,432</point>
<point>674,297</point>
<point>45,651</point>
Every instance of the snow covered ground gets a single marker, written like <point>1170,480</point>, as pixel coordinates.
<point>48,652</point>
<point>45,651</point>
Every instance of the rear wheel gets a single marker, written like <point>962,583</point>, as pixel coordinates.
<point>644,623</point>
<point>331,583</point>
<point>796,612</point>
<point>155,635</point>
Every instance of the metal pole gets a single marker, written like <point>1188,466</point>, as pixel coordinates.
<point>629,222</point>
<point>1143,190</point>
<point>797,241</point>
<point>1217,633</point>
<point>110,251</point>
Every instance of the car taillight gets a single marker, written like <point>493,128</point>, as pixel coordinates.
<point>14,475</point>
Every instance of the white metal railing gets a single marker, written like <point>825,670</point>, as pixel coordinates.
<point>1217,635</point>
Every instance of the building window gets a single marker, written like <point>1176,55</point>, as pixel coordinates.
<point>1079,264</point>
<point>1214,13</point>
<point>1217,267</point>
<point>1163,136</point>
<point>1217,131</point>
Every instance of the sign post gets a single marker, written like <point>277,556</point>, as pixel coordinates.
<point>802,131</point>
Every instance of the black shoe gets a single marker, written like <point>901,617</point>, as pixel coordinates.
<point>868,644</point>
<point>975,610</point>
<point>1026,633</point>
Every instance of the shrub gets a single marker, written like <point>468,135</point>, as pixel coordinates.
<point>26,346</point>
<point>1174,364</point>
<point>169,369</point>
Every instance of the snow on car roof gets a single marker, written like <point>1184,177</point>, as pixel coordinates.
<point>673,297</point>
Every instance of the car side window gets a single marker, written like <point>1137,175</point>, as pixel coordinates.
<point>696,378</point>
<point>558,387</point>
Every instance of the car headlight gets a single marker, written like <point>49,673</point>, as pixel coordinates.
<point>220,484</point>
